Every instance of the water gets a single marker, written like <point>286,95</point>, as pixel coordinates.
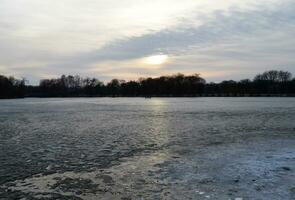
<point>89,148</point>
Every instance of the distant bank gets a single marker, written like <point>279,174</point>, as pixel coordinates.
<point>271,83</point>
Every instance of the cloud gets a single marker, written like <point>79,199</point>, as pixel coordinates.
<point>217,38</point>
<point>223,28</point>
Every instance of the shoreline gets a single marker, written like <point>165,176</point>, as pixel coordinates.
<point>164,96</point>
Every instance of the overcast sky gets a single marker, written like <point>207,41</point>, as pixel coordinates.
<point>220,39</point>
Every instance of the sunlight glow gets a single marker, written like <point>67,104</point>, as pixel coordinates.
<point>156,60</point>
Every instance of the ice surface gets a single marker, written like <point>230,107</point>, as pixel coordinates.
<point>159,148</point>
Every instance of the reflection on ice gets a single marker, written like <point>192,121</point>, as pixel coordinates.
<point>158,148</point>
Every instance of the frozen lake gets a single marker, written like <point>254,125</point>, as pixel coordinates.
<point>136,148</point>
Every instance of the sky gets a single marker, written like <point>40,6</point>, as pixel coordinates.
<point>129,39</point>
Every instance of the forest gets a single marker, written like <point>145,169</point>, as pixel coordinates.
<point>269,83</point>
<point>11,87</point>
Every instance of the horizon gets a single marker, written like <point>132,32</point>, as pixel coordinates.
<point>132,39</point>
<point>153,77</point>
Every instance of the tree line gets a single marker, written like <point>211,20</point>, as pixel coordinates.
<point>269,83</point>
<point>11,87</point>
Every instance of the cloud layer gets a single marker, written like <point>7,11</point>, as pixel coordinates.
<point>105,39</point>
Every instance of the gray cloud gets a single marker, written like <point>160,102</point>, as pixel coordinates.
<point>245,41</point>
<point>223,28</point>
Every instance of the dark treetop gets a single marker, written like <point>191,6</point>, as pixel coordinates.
<point>269,83</point>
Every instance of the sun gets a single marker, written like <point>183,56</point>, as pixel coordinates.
<point>156,59</point>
